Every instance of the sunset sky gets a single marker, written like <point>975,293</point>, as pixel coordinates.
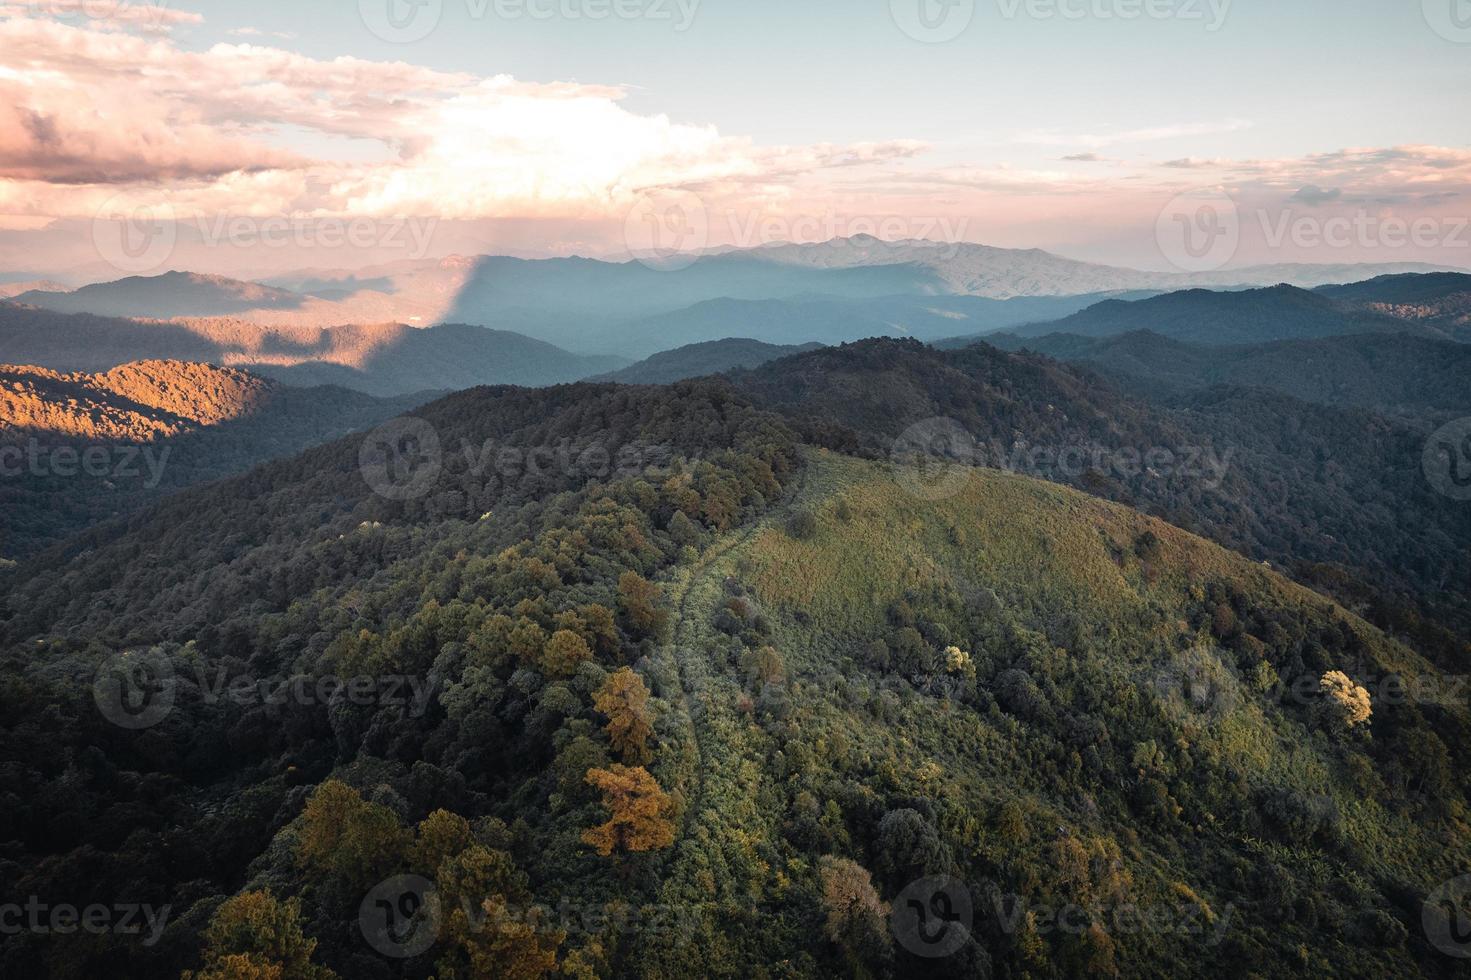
<point>534,127</point>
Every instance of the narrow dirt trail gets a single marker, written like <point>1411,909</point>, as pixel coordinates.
<point>720,765</point>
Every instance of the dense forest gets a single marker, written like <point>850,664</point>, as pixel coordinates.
<point>710,679</point>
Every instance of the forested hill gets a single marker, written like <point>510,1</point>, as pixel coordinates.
<point>1377,371</point>
<point>1252,316</point>
<point>707,699</point>
<point>82,448</point>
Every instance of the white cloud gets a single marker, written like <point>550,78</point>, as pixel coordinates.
<point>92,108</point>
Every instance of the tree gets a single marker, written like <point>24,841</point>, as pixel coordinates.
<point>345,835</point>
<point>486,928</point>
<point>639,600</point>
<point>856,916</point>
<point>563,652</point>
<point>908,846</point>
<point>957,661</point>
<point>640,812</point>
<point>683,530</point>
<point>602,630</point>
<point>802,525</point>
<point>624,699</point>
<point>1345,705</point>
<point>253,936</point>
<point>442,834</point>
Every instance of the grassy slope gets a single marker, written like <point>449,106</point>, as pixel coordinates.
<point>1043,550</point>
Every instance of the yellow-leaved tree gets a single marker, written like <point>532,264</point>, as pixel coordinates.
<point>254,936</point>
<point>624,699</point>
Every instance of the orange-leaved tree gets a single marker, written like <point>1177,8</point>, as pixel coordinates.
<point>640,813</point>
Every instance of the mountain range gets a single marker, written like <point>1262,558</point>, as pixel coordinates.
<point>618,308</point>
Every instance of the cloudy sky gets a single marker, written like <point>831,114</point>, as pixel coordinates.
<point>1336,129</point>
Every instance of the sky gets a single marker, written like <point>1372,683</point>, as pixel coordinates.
<point>277,134</point>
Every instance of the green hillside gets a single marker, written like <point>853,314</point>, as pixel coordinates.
<point>1073,763</point>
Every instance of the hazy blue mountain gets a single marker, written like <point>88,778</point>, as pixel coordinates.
<point>829,320</point>
<point>172,294</point>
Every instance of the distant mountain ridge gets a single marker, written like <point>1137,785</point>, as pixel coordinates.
<point>172,294</point>
<point>1222,318</point>
<point>590,305</point>
<point>381,359</point>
